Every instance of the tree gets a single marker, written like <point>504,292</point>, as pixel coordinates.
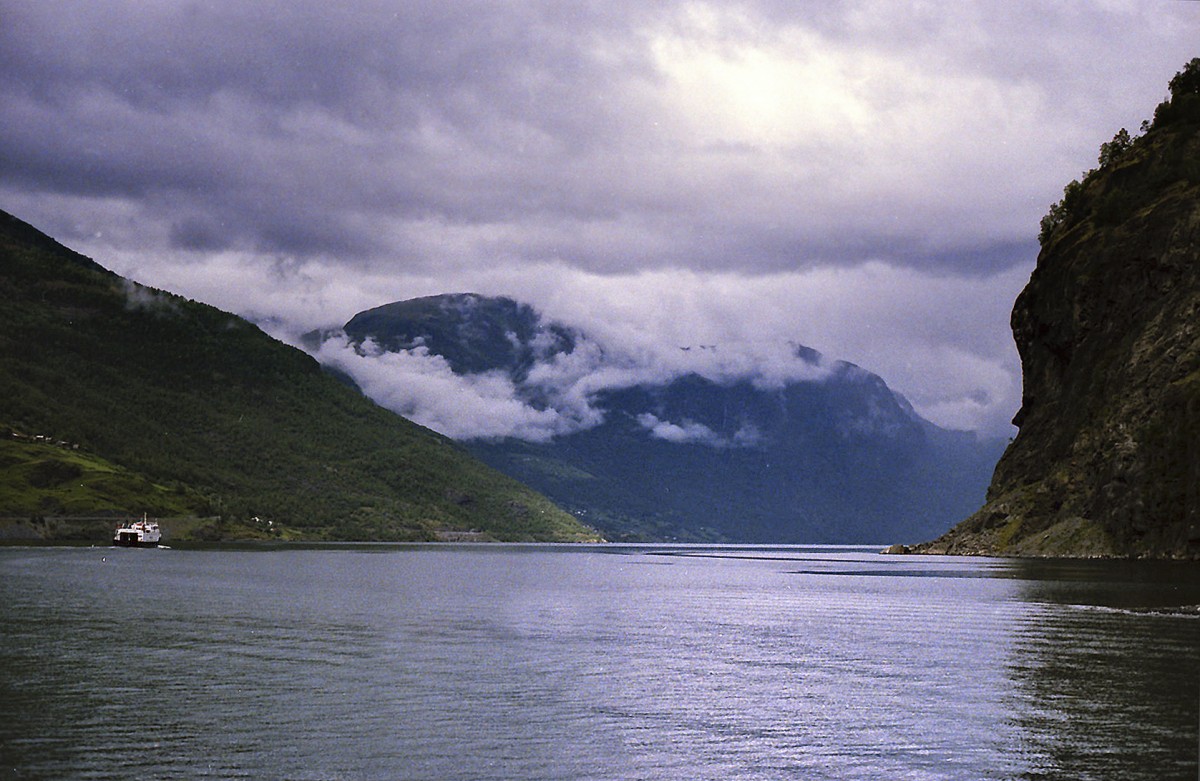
<point>1184,103</point>
<point>1115,149</point>
<point>1063,210</point>
<point>1187,81</point>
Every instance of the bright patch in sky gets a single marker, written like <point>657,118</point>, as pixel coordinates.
<point>738,93</point>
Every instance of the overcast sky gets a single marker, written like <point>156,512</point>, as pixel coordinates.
<point>865,178</point>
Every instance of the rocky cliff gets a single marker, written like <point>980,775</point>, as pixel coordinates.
<point>1107,460</point>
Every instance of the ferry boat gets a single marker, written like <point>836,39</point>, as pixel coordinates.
<point>138,534</point>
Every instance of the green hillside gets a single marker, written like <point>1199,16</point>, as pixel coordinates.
<point>198,412</point>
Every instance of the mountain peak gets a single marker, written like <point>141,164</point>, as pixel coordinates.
<point>474,333</point>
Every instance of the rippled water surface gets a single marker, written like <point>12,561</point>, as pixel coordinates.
<point>593,662</point>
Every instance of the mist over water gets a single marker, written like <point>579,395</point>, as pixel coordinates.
<point>593,662</point>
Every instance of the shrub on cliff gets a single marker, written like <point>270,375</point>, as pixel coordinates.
<point>1182,107</point>
<point>1184,103</point>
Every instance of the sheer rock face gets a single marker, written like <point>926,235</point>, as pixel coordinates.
<point>1107,461</point>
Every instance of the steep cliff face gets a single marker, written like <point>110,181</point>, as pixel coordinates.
<point>1107,461</point>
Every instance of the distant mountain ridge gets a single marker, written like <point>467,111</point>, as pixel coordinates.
<point>173,407</point>
<point>830,455</point>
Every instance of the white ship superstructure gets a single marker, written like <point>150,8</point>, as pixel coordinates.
<point>138,534</point>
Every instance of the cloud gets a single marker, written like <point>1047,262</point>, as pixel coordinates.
<point>864,177</point>
<point>141,298</point>
<point>940,341</point>
<point>679,134</point>
<point>560,395</point>
<point>423,388</point>
<point>691,432</point>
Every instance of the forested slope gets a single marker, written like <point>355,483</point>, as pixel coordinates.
<point>223,420</point>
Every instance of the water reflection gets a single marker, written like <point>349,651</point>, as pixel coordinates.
<point>1107,669</point>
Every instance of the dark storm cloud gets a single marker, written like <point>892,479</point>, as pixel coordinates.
<point>273,114</point>
<point>297,122</point>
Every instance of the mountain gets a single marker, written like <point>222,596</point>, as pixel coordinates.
<point>118,399</point>
<point>1107,460</point>
<point>829,455</point>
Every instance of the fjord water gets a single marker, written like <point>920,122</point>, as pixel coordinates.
<point>593,662</point>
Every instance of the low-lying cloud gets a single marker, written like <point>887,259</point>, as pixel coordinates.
<point>690,432</point>
<point>657,327</point>
<point>560,395</point>
<point>422,387</point>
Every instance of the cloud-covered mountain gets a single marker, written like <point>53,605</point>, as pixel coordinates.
<point>745,442</point>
